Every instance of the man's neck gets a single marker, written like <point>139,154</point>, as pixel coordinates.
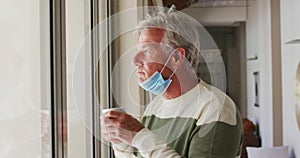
<point>181,83</point>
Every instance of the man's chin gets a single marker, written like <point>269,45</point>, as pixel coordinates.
<point>140,80</point>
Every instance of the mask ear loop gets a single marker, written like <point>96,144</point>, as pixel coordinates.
<point>166,65</point>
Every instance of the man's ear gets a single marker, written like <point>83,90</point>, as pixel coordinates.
<point>178,57</point>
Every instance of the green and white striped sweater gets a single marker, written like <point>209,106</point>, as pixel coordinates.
<point>202,123</point>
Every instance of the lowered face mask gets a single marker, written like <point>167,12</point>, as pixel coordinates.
<point>155,83</point>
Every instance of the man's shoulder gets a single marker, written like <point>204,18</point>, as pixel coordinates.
<point>217,106</point>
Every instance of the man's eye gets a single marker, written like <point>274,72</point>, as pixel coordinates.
<point>148,52</point>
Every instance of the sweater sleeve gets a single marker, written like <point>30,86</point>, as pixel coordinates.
<point>217,140</point>
<point>123,150</point>
<point>150,146</point>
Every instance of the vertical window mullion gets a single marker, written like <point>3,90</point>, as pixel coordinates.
<point>95,79</point>
<point>58,79</point>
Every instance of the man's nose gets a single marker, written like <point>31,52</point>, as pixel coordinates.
<point>137,59</point>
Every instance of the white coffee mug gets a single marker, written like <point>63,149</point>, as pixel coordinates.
<point>119,109</point>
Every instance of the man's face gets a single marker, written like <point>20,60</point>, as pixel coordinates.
<point>149,57</point>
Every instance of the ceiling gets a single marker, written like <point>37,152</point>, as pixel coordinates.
<point>181,4</point>
<point>210,12</point>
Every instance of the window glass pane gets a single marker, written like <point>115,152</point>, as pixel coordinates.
<point>77,28</point>
<point>25,79</point>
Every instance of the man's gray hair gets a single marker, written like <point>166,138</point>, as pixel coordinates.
<point>180,31</point>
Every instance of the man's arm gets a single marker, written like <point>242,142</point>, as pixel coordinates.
<point>122,150</point>
<point>150,146</point>
<point>217,139</point>
<point>119,128</point>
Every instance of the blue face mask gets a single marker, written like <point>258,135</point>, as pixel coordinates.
<point>155,83</point>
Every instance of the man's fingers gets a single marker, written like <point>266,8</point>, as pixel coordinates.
<point>115,141</point>
<point>113,114</point>
<point>120,126</point>
<point>106,121</point>
<point>120,119</point>
<point>110,129</point>
<point>111,137</point>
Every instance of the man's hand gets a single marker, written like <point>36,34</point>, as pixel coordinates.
<point>120,127</point>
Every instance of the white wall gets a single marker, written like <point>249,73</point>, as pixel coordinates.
<point>291,132</point>
<point>24,38</point>
<point>290,60</point>
<point>258,34</point>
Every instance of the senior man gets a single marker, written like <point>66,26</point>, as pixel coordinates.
<point>187,118</point>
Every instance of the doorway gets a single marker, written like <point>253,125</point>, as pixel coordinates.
<point>231,41</point>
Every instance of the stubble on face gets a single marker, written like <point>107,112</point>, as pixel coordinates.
<point>149,64</point>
